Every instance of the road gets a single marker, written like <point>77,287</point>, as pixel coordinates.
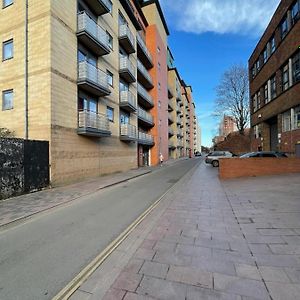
<point>40,256</point>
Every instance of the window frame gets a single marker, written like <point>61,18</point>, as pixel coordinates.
<point>6,92</point>
<point>285,77</point>
<point>111,118</point>
<point>286,121</point>
<point>273,87</point>
<point>110,75</point>
<point>284,32</point>
<point>296,120</point>
<point>296,61</point>
<point>7,5</point>
<point>6,43</point>
<point>295,17</point>
<point>110,40</point>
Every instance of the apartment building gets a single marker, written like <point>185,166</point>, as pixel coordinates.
<point>91,79</point>
<point>227,125</point>
<point>274,71</point>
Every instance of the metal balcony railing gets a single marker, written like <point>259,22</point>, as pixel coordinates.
<point>143,46</point>
<point>85,23</point>
<point>100,7</point>
<point>87,71</point>
<point>127,98</point>
<point>145,115</point>
<point>171,131</point>
<point>144,72</point>
<point>127,65</point>
<point>170,117</point>
<point>88,119</point>
<point>144,137</point>
<point>128,131</point>
<point>126,35</point>
<point>143,93</point>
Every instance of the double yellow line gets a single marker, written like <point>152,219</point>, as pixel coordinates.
<point>76,282</point>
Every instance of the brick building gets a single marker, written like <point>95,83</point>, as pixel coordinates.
<point>91,79</point>
<point>274,71</point>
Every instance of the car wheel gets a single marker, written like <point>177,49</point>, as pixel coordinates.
<point>215,163</point>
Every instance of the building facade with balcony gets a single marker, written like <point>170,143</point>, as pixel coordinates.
<point>89,83</point>
<point>274,71</point>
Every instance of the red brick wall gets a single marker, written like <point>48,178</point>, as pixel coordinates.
<point>245,167</point>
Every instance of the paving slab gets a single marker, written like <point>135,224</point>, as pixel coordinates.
<point>233,240</point>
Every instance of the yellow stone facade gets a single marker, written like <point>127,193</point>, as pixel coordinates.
<point>53,89</point>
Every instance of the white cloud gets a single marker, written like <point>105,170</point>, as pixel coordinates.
<point>220,16</point>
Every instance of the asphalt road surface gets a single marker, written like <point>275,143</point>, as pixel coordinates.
<point>42,255</point>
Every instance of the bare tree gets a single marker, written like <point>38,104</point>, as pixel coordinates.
<point>233,96</point>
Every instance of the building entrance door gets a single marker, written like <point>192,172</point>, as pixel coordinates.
<point>273,135</point>
<point>298,150</point>
<point>145,156</point>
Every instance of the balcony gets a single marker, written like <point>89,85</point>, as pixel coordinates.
<point>179,143</point>
<point>172,145</point>
<point>170,93</point>
<point>128,132</point>
<point>100,7</point>
<point>92,79</point>
<point>170,119</point>
<point>127,70</point>
<point>126,38</point>
<point>178,109</point>
<point>144,97</point>
<point>128,101</point>
<point>93,124</point>
<point>144,76</point>
<point>178,121</point>
<point>92,35</point>
<point>170,131</point>
<point>180,133</point>
<point>145,118</point>
<point>146,139</point>
<point>178,96</point>
<point>170,106</point>
<point>143,52</point>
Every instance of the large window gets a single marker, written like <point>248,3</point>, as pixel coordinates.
<point>266,93</point>
<point>258,100</point>
<point>7,99</point>
<point>296,67</point>
<point>285,77</point>
<point>88,104</point>
<point>8,49</point>
<point>110,40</point>
<point>286,121</point>
<point>272,44</point>
<point>254,100</point>
<point>273,87</point>
<point>7,3</point>
<point>296,11</point>
<point>265,55</point>
<point>297,117</point>
<point>284,27</point>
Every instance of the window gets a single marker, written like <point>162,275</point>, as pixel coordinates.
<point>296,11</point>
<point>124,117</point>
<point>110,40</point>
<point>266,93</point>
<point>123,86</point>
<point>284,27</point>
<point>257,65</point>
<point>110,6</point>
<point>110,78</point>
<point>8,49</point>
<point>158,66</point>
<point>159,86</point>
<point>257,131</point>
<point>297,118</point>
<point>285,77</point>
<point>7,3</point>
<point>258,100</point>
<point>254,101</point>
<point>272,45</point>
<point>158,49</point>
<point>110,113</point>
<point>265,55</point>
<point>87,104</point>
<point>296,67</point>
<point>286,121</point>
<point>7,100</point>
<point>273,87</point>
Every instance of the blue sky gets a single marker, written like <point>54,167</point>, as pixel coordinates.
<point>215,36</point>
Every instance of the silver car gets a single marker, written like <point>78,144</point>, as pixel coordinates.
<point>213,157</point>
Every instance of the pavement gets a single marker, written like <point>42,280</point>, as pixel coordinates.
<point>207,239</point>
<point>18,208</point>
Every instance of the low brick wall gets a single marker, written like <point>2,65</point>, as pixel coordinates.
<point>246,167</point>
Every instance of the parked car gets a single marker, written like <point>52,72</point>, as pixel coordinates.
<point>264,154</point>
<point>198,153</point>
<point>213,157</point>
